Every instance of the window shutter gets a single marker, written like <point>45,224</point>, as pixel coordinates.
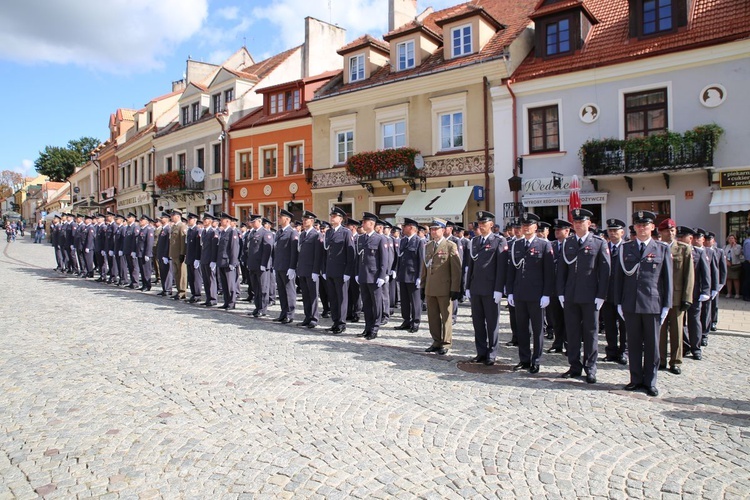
<point>633,18</point>
<point>681,9</point>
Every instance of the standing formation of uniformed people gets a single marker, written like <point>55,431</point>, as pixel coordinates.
<point>655,291</point>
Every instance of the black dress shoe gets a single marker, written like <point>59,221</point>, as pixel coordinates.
<point>556,350</point>
<point>713,327</point>
<point>489,362</point>
<point>697,355</point>
<point>652,391</point>
<point>549,336</point>
<point>534,369</point>
<point>662,367</point>
<point>401,327</point>
<point>210,304</point>
<point>372,336</point>
<point>676,370</point>
<point>522,366</point>
<point>477,359</point>
<point>326,314</point>
<point>365,333</point>
<point>511,344</point>
<point>570,374</point>
<point>312,325</point>
<point>442,351</point>
<point>704,342</point>
<point>590,379</point>
<point>286,321</point>
<point>632,386</point>
<point>278,320</point>
<point>623,360</point>
<point>432,348</point>
<point>355,318</point>
<point>161,294</point>
<point>610,358</point>
<point>304,323</point>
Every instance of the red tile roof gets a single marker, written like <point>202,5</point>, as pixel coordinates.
<point>364,41</point>
<point>161,97</point>
<point>262,69</point>
<point>712,22</point>
<point>512,14</point>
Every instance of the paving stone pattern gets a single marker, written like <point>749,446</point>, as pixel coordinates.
<point>115,393</point>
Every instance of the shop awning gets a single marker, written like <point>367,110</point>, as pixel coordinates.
<point>446,203</point>
<point>562,198</point>
<point>729,200</point>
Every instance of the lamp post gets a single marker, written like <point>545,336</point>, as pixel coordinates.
<point>223,119</point>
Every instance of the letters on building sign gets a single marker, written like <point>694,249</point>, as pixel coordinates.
<point>730,179</point>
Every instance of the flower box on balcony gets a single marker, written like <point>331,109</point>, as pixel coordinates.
<point>170,180</point>
<point>383,164</point>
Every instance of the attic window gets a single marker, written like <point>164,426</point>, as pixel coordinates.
<point>405,53</point>
<point>357,68</point>
<point>557,37</point>
<point>657,16</point>
<point>461,38</point>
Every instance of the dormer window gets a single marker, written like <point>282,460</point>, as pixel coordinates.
<point>229,95</point>
<point>557,35</point>
<point>196,111</point>
<point>405,54</point>
<point>657,16</point>
<point>185,115</point>
<point>357,68</point>
<point>284,101</point>
<point>461,38</point>
<point>217,102</point>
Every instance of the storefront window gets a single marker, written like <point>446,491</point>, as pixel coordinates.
<point>737,224</point>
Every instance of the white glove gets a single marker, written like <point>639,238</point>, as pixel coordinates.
<point>72,247</point>
<point>619,311</point>
<point>291,274</point>
<point>104,254</point>
<point>664,312</point>
<point>356,278</point>
<point>416,283</point>
<point>511,301</point>
<point>86,250</point>
<point>561,299</point>
<point>324,276</point>
<point>346,278</point>
<point>111,253</point>
<point>714,293</point>
<point>119,253</point>
<point>315,277</point>
<point>196,264</point>
<point>147,258</point>
<point>263,269</point>
<point>380,282</point>
<point>165,260</point>
<point>467,293</point>
<point>231,267</point>
<point>704,297</point>
<point>387,278</point>
<point>599,303</point>
<point>496,296</point>
<point>132,254</point>
<point>212,265</point>
<point>393,274</point>
<point>544,302</point>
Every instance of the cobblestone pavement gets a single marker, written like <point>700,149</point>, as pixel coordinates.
<point>116,393</point>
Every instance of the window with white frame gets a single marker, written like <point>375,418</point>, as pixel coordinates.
<point>268,159</point>
<point>185,115</point>
<point>216,149</point>
<point>229,95</point>
<point>168,164</point>
<point>244,170</point>
<point>543,127</point>
<point>451,130</point>
<point>405,55</point>
<point>342,138</point>
<point>196,111</point>
<point>392,124</point>
<point>344,145</point>
<point>217,102</point>
<point>357,68</point>
<point>294,159</point>
<point>268,210</point>
<point>394,134</point>
<point>461,40</point>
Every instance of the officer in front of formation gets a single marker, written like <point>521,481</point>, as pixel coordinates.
<point>285,265</point>
<point>410,257</point>
<point>583,271</point>
<point>144,250</point>
<point>530,283</point>
<point>643,294</point>
<point>227,260</point>
<point>338,267</point>
<point>309,263</point>
<point>371,270</point>
<point>485,280</point>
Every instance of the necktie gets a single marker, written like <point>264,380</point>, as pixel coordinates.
<point>612,248</point>
<point>481,241</point>
<point>580,241</point>
<point>526,245</point>
<point>643,248</point>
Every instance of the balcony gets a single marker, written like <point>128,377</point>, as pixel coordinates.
<point>177,181</point>
<point>393,173</point>
<point>657,153</point>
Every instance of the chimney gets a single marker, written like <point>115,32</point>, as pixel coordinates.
<point>322,40</point>
<point>401,12</point>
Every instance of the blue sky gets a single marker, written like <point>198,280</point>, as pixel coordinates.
<point>66,65</point>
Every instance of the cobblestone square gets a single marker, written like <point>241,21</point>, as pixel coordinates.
<point>117,393</point>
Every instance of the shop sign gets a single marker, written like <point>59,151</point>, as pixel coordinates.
<point>141,199</point>
<point>730,179</point>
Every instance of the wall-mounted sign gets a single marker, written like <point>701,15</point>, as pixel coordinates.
<point>243,192</point>
<point>267,190</point>
<point>712,95</point>
<point>589,112</point>
<point>730,179</point>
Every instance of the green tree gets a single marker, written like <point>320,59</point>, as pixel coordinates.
<point>59,163</point>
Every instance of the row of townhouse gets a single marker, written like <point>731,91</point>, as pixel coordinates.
<point>497,104</point>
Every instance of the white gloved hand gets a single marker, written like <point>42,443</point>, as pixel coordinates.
<point>231,267</point>
<point>561,299</point>
<point>496,296</point>
<point>467,294</point>
<point>346,278</point>
<point>417,283</point>
<point>147,258</point>
<point>212,265</point>
<point>72,247</point>
<point>104,254</point>
<point>324,276</point>
<point>315,277</point>
<point>132,254</point>
<point>380,282</point>
<point>387,278</point>
<point>111,253</point>
<point>511,302</point>
<point>119,253</point>
<point>263,269</point>
<point>714,293</point>
<point>544,302</point>
<point>86,250</point>
<point>393,274</point>
<point>356,278</point>
<point>196,264</point>
<point>664,312</point>
<point>619,311</point>
<point>291,274</point>
<point>704,297</point>
<point>165,260</point>
<point>599,303</point>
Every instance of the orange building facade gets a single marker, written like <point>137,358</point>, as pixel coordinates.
<point>270,153</point>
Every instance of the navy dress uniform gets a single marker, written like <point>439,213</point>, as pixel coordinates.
<point>209,243</point>
<point>162,256</point>
<point>131,233</point>
<point>192,258</point>
<point>100,245</point>
<point>110,247</point>
<point>385,293</point>
<point>354,300</point>
<point>122,261</point>
<point>555,310</point>
<point>227,260</point>
<point>258,262</point>
<point>89,246</point>
<point>643,293</point>
<point>529,285</point>
<point>144,250</point>
<point>485,281</point>
<point>309,264</point>
<point>701,293</point>
<point>338,268</point>
<point>410,259</point>
<point>614,325</point>
<point>713,265</point>
<point>372,267</point>
<point>721,265</point>
<point>583,273</point>
<point>285,265</point>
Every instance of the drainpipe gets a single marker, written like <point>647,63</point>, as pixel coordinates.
<point>515,135</point>
<point>486,144</point>
<point>222,118</point>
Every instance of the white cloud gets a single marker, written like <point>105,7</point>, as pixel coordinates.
<point>228,13</point>
<point>116,35</point>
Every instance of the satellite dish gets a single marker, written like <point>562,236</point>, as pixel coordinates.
<point>418,162</point>
<point>197,174</point>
